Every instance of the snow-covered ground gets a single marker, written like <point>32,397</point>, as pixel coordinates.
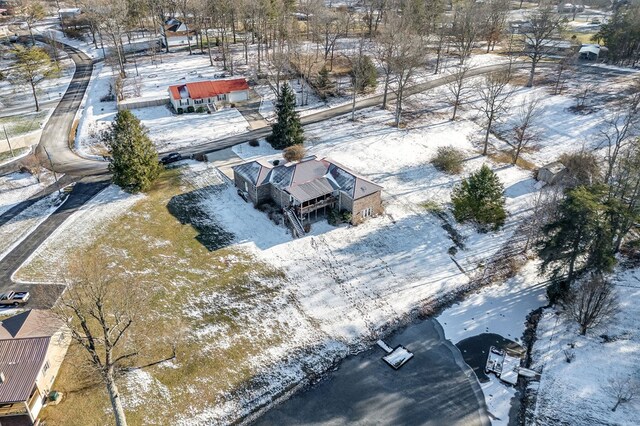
<point>17,187</point>
<point>576,393</point>
<point>18,228</point>
<point>77,231</point>
<point>167,130</point>
<point>501,309</point>
<point>13,96</point>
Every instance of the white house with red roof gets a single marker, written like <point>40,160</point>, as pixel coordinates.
<point>208,93</point>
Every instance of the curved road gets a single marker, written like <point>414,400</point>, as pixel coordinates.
<point>55,135</point>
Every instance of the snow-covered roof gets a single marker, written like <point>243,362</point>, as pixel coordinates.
<point>590,48</point>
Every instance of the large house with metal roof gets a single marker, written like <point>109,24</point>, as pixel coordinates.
<point>309,189</point>
<point>207,93</point>
<point>33,345</point>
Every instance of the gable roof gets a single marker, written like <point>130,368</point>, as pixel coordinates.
<point>21,361</point>
<point>207,89</point>
<point>28,324</point>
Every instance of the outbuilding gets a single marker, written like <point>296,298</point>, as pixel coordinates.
<point>552,173</point>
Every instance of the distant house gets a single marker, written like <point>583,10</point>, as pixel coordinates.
<point>176,33</point>
<point>70,12</point>
<point>570,8</point>
<point>554,46</point>
<point>33,345</point>
<point>208,93</point>
<point>309,189</point>
<point>593,52</point>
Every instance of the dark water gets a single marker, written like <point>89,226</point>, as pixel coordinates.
<point>189,210</point>
<point>475,350</point>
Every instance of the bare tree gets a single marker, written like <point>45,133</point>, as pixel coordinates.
<point>32,12</point>
<point>458,88</point>
<point>545,22</point>
<point>493,96</point>
<point>101,309</point>
<point>591,302</point>
<point>621,388</point>
<point>523,132</point>
<point>496,18</point>
<point>622,128</point>
<point>466,26</point>
<point>565,65</point>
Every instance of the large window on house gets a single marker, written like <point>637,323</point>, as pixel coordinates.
<point>367,212</point>
<point>198,101</point>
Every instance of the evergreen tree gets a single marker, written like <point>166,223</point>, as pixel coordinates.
<point>323,82</point>
<point>287,131</point>
<point>580,238</point>
<point>479,198</point>
<point>364,73</point>
<point>134,160</point>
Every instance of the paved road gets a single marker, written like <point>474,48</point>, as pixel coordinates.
<point>346,109</point>
<point>435,388</point>
<point>45,294</point>
<point>55,135</point>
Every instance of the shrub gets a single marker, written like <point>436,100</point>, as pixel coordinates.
<point>336,217</point>
<point>276,162</point>
<point>479,198</point>
<point>200,109</point>
<point>254,142</point>
<point>180,111</point>
<point>190,109</point>
<point>448,160</point>
<point>294,153</point>
<point>582,168</point>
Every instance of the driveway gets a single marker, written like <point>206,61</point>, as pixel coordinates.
<point>436,387</point>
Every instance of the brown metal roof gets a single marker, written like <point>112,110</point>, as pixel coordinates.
<point>20,361</point>
<point>310,190</point>
<point>30,323</point>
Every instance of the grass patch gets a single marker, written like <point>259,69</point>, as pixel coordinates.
<point>17,125</point>
<point>505,157</point>
<point>432,206</point>
<point>216,305</point>
<point>16,153</point>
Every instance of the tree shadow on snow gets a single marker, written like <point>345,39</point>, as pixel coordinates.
<point>189,210</point>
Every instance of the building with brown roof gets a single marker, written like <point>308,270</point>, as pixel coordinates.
<point>33,345</point>
<point>309,189</point>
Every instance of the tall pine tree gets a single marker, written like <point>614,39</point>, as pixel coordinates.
<point>134,159</point>
<point>580,238</point>
<point>479,198</point>
<point>287,131</point>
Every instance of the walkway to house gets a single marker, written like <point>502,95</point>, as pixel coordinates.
<point>251,112</point>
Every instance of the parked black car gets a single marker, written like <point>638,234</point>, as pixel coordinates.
<point>171,158</point>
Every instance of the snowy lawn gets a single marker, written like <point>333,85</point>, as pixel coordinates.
<point>17,187</point>
<point>336,289</point>
<point>18,228</point>
<point>229,314</point>
<point>575,393</point>
<point>168,131</point>
<point>20,96</point>
<point>501,309</point>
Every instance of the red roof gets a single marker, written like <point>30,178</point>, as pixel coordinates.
<point>208,89</point>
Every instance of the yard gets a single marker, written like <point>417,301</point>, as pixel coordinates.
<point>227,311</point>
